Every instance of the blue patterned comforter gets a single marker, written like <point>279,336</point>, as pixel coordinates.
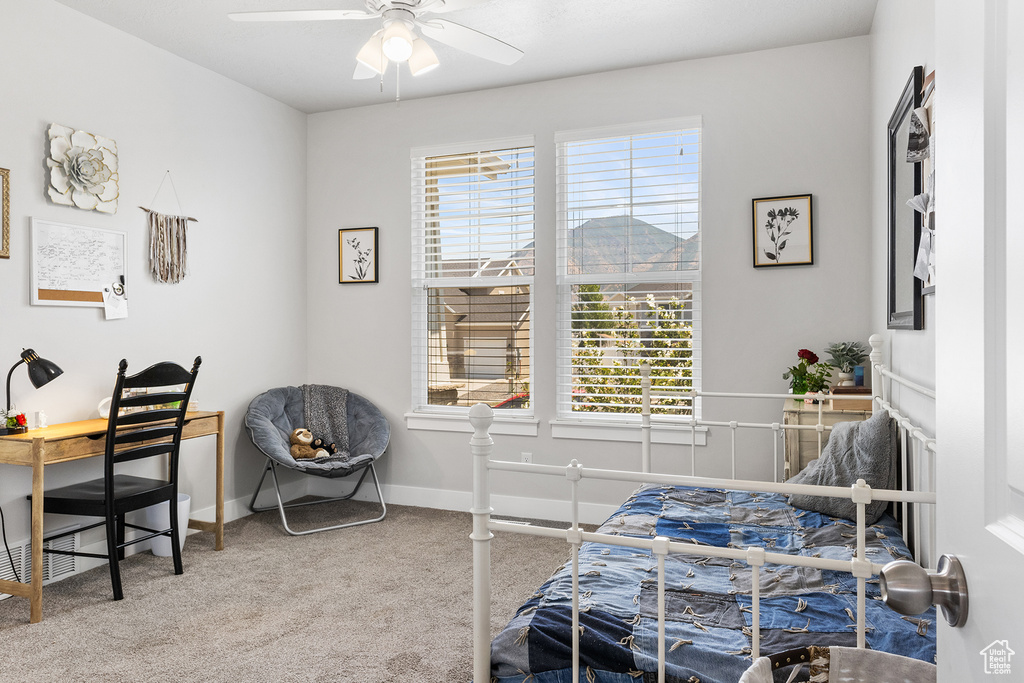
<point>708,605</point>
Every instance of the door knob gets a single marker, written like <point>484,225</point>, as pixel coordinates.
<point>910,589</point>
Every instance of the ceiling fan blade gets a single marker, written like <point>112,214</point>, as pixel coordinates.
<point>469,40</point>
<point>440,6</point>
<point>303,15</point>
<point>364,72</point>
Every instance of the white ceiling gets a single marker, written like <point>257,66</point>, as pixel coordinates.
<point>309,65</point>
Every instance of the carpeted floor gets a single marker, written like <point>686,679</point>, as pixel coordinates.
<point>383,602</point>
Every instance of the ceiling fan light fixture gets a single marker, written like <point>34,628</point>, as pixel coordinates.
<point>372,55</point>
<point>423,58</point>
<point>397,41</point>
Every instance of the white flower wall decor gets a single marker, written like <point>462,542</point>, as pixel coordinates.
<point>83,169</point>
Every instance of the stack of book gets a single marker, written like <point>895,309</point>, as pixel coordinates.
<point>851,398</point>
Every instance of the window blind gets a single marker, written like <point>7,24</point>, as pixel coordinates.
<point>629,269</point>
<point>473,271</point>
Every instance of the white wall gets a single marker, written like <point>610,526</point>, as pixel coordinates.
<point>778,122</point>
<point>902,37</point>
<point>237,160</point>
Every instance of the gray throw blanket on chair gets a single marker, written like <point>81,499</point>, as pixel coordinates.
<point>326,411</point>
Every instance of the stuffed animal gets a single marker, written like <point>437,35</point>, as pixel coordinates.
<point>329,447</point>
<point>302,448</point>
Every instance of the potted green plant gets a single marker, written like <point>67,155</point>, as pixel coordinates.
<point>808,375</point>
<point>846,355</point>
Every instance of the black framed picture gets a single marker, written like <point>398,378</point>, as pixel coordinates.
<point>905,302</point>
<point>357,255</point>
<point>783,231</point>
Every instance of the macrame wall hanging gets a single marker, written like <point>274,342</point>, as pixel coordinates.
<point>168,240</point>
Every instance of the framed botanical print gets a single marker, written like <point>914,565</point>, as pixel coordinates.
<point>783,231</point>
<point>357,255</point>
<point>5,213</point>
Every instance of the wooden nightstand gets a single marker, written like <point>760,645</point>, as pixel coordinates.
<point>802,444</point>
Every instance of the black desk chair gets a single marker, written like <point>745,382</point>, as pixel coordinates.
<point>153,431</point>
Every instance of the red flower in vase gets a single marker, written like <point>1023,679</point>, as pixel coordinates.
<point>20,419</point>
<point>808,375</point>
<point>808,355</point>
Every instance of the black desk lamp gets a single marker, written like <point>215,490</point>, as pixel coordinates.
<point>40,372</point>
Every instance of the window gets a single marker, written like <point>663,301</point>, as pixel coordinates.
<point>473,272</point>
<point>628,268</point>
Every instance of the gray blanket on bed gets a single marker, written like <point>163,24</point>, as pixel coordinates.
<point>326,409</point>
<point>855,450</point>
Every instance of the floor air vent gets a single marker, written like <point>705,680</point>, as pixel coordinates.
<point>55,567</point>
<point>6,572</point>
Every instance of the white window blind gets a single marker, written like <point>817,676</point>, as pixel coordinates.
<point>629,269</point>
<point>473,271</point>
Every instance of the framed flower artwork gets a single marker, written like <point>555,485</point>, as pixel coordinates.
<point>83,169</point>
<point>783,231</point>
<point>357,255</point>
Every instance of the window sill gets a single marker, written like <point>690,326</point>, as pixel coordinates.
<point>604,431</point>
<point>439,422</point>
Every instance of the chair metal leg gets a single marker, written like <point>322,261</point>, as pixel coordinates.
<point>112,557</point>
<point>259,485</point>
<point>281,505</point>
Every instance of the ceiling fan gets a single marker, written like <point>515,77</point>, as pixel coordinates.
<point>396,40</point>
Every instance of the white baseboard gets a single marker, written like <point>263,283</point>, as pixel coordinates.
<point>507,506</point>
<point>233,509</point>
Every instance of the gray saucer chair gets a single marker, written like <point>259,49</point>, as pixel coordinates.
<point>270,420</point>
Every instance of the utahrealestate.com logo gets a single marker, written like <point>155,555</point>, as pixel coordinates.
<point>997,657</point>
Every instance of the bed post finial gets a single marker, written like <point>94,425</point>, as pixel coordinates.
<point>876,357</point>
<point>481,416</point>
<point>876,343</point>
<point>481,445</point>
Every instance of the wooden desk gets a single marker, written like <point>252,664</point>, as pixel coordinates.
<point>37,448</point>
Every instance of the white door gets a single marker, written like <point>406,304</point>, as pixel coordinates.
<point>979,83</point>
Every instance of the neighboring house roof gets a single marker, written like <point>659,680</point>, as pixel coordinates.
<point>479,305</point>
<point>601,245</point>
<point>514,265</point>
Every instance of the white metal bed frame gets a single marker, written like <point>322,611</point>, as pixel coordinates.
<point>861,494</point>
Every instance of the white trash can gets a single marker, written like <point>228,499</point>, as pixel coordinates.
<point>156,518</point>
